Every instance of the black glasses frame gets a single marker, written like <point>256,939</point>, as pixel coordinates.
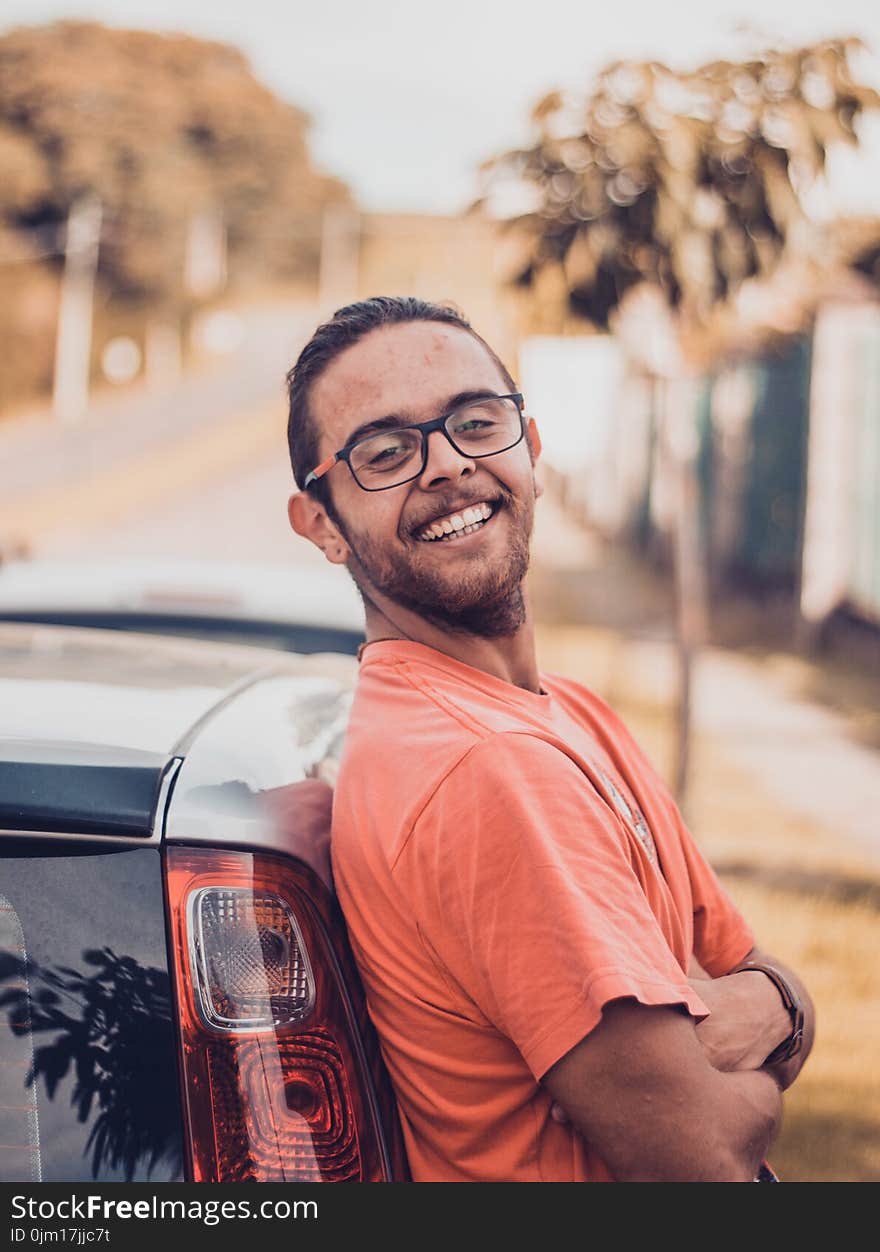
<point>425,429</point>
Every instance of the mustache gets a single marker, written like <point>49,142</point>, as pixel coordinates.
<point>455,504</point>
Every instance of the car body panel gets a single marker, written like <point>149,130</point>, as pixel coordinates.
<point>260,773</point>
<point>95,687</point>
<point>189,750</point>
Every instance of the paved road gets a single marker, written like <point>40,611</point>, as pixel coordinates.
<point>806,756</point>
<point>240,516</point>
<point>65,488</point>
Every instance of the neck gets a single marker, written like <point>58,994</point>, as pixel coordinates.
<point>508,657</point>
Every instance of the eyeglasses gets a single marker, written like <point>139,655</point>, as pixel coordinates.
<point>389,458</point>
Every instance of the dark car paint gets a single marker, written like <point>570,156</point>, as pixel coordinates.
<point>285,636</point>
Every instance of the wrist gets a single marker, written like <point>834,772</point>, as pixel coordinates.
<point>787,1025</point>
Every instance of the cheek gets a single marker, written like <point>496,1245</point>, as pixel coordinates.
<point>369,521</point>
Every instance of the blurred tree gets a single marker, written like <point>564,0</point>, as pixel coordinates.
<point>652,201</point>
<point>163,128</point>
<point>690,182</point>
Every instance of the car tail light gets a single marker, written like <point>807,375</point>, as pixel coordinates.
<point>278,1088</point>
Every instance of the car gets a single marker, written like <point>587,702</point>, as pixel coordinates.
<point>178,999</point>
<point>313,608</point>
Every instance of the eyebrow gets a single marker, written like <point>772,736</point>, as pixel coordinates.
<point>396,421</point>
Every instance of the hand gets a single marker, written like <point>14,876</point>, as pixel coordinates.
<point>695,970</point>
<point>746,1021</point>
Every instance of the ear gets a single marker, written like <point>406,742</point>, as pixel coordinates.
<point>309,519</point>
<point>534,439</point>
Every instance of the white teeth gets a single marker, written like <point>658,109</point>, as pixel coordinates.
<point>462,523</point>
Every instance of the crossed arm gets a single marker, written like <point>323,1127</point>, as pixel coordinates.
<point>663,1099</point>
<point>747,1018</point>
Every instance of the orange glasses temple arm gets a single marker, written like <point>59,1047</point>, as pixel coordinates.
<point>320,470</point>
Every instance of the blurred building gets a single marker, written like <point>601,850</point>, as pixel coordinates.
<point>785,446</point>
<point>449,259</point>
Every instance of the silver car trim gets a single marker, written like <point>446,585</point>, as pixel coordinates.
<point>73,836</point>
<point>169,774</point>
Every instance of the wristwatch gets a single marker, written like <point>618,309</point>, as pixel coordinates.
<point>792,1001</point>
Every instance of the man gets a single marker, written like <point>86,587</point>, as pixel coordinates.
<point>548,960</point>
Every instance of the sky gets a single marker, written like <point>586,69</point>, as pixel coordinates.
<point>407,98</point>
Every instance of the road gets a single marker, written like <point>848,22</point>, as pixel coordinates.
<point>240,515</point>
<point>200,469</point>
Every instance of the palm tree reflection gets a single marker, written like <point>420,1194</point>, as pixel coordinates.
<point>110,1030</point>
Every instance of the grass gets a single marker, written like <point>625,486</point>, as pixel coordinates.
<point>811,899</point>
<point>831,1127</point>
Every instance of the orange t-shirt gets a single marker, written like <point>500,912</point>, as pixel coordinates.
<point>507,863</point>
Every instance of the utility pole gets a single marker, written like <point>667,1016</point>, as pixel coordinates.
<point>73,345</point>
<point>691,579</point>
<point>205,264</point>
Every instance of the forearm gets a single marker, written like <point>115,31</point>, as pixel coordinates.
<point>642,1093</point>
<point>759,1101</point>
<point>727,1144</point>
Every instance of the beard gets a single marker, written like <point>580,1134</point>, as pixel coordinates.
<point>483,598</point>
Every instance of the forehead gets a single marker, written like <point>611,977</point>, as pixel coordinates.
<point>410,370</point>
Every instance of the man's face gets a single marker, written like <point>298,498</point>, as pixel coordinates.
<point>414,371</point>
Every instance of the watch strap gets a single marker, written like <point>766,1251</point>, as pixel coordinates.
<point>791,1045</point>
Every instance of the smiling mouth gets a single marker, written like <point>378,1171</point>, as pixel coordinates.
<point>457,525</point>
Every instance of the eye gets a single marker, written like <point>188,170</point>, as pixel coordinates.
<point>384,452</point>
<point>471,424</point>
<point>482,419</point>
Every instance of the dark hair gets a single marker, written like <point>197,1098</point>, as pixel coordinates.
<point>345,328</point>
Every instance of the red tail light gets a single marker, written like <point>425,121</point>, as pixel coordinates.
<point>277,1085</point>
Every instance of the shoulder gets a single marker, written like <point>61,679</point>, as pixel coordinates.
<point>513,759</point>
<point>513,789</point>
<point>587,703</point>
<point>608,728</point>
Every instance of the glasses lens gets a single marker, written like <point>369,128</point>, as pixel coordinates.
<point>385,459</point>
<point>485,427</point>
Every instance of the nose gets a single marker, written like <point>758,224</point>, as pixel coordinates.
<point>443,463</point>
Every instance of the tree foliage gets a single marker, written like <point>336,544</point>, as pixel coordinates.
<point>162,127</point>
<point>691,182</point>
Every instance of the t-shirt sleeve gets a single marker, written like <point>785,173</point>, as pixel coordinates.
<point>722,937</point>
<point>524,893</point>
